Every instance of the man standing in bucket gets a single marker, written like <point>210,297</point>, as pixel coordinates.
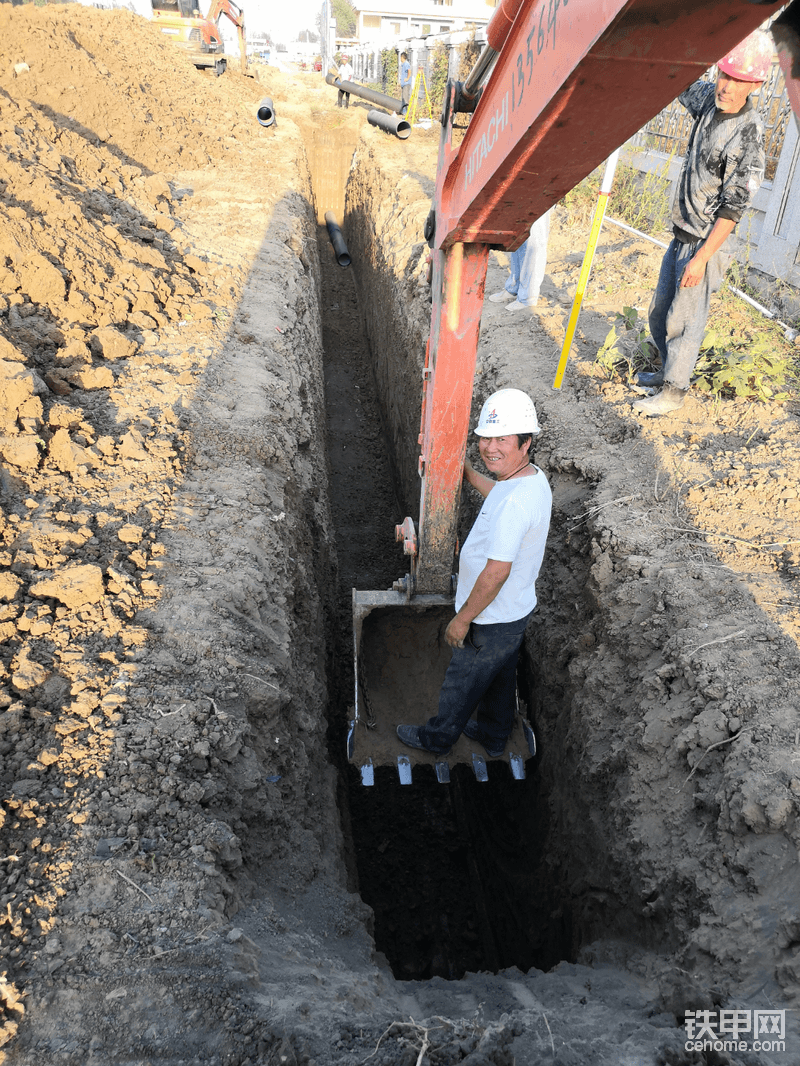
<point>496,594</point>
<point>723,169</point>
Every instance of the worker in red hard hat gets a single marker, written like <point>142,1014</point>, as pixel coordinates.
<point>723,168</point>
<point>345,74</point>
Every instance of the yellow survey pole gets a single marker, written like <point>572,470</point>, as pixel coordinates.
<point>419,82</point>
<point>597,222</point>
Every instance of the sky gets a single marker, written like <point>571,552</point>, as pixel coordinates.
<point>283,19</point>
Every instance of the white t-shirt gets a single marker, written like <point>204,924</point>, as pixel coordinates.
<point>345,72</point>
<point>511,528</point>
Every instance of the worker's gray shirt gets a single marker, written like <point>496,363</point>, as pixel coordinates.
<point>724,164</point>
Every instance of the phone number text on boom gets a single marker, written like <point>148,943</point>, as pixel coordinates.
<point>542,35</point>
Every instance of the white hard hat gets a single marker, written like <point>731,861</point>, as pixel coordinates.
<point>507,411</point>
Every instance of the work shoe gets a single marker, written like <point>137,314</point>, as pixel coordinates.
<point>668,399</point>
<point>493,748</point>
<point>517,306</point>
<point>409,734</point>
<point>501,297</point>
<point>650,381</point>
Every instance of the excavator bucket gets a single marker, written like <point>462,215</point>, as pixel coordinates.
<point>400,661</point>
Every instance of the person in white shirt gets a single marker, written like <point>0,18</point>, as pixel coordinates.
<point>496,594</point>
<point>345,74</point>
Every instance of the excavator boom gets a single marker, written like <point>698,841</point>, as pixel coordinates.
<point>573,81</point>
<point>236,16</point>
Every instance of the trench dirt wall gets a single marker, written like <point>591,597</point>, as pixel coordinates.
<point>387,201</point>
<point>167,552</point>
<point>669,796</point>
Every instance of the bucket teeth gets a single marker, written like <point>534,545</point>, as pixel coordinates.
<point>367,773</point>
<point>517,764</point>
<point>479,766</point>
<point>442,773</point>
<point>404,769</point>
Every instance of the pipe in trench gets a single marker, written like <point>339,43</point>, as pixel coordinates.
<point>337,240</point>
<point>381,99</point>
<point>395,124</point>
<point>265,113</point>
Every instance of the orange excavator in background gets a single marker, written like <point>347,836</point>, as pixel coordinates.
<point>199,35</point>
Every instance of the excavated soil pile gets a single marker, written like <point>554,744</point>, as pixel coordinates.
<point>182,854</point>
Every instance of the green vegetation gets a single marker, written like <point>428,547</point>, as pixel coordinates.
<point>639,199</point>
<point>346,18</point>
<point>626,349</point>
<point>755,365</point>
<point>470,51</point>
<point>389,68</point>
<point>438,79</point>
<point>743,354</point>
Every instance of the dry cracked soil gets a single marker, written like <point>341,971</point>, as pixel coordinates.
<point>208,432</point>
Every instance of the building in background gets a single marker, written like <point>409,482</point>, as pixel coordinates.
<point>383,21</point>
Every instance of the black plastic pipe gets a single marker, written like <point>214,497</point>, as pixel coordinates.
<point>395,124</point>
<point>337,240</point>
<point>381,99</point>
<point>266,112</point>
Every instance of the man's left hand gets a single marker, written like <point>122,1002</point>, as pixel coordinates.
<point>693,273</point>
<point>456,632</point>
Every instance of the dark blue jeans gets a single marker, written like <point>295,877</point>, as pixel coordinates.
<point>482,675</point>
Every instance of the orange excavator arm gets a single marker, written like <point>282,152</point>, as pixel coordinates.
<point>236,15</point>
<point>569,82</point>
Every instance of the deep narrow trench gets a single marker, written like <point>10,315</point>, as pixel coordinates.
<point>454,874</point>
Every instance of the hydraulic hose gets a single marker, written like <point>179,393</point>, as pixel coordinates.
<point>496,34</point>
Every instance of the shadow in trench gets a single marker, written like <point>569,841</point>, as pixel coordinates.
<point>453,873</point>
<point>456,876</point>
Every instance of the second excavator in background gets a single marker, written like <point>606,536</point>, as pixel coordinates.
<point>199,35</point>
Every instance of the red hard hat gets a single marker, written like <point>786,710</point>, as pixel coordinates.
<point>750,60</point>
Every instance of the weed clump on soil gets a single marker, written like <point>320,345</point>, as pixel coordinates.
<point>742,354</point>
<point>745,354</point>
<point>442,1042</point>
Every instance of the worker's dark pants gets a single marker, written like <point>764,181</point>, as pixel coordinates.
<point>482,675</point>
<point>678,316</point>
<point>343,96</point>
